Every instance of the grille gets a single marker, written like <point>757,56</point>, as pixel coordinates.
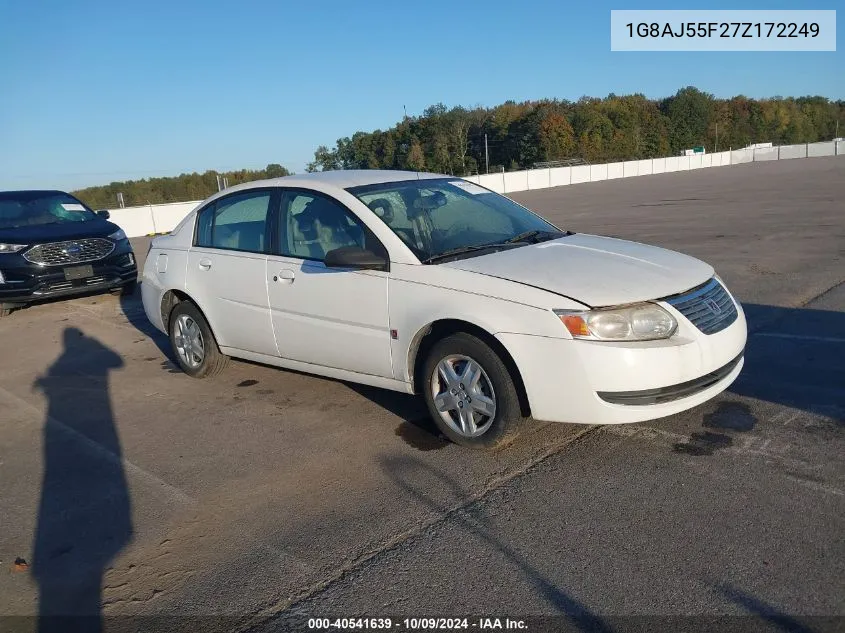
<point>67,285</point>
<point>708,307</point>
<point>71,252</point>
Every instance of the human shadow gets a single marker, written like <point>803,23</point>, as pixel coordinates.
<point>416,477</point>
<point>794,357</point>
<point>84,515</point>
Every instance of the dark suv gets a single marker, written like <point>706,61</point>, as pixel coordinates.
<point>53,245</point>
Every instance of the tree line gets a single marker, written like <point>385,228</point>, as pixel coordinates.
<point>520,135</point>
<point>172,189</point>
<point>511,136</point>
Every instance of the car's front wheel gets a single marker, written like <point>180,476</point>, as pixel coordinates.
<point>470,393</point>
<point>193,343</point>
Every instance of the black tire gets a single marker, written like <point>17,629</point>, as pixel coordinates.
<point>508,414</point>
<point>125,291</point>
<point>213,362</point>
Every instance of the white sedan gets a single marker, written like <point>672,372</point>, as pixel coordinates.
<point>433,285</point>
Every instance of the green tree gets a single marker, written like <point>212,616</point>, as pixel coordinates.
<point>416,158</point>
<point>689,118</point>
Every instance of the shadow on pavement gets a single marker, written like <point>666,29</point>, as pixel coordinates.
<point>794,357</point>
<point>84,515</point>
<point>416,428</point>
<point>416,477</point>
<point>764,611</point>
<point>133,309</point>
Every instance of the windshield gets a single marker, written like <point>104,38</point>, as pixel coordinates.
<point>446,216</point>
<point>34,208</point>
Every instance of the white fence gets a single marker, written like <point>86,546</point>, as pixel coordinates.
<point>161,218</point>
<point>151,218</point>
<point>515,181</point>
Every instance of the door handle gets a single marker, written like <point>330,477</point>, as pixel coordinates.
<point>285,276</point>
<point>205,264</point>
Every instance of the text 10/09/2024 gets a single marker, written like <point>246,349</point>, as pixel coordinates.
<point>418,624</point>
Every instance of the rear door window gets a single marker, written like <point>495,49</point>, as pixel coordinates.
<point>237,222</point>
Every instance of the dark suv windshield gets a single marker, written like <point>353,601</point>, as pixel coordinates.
<point>448,217</point>
<point>33,208</point>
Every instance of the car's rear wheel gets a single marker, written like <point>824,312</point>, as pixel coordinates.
<point>193,343</point>
<point>470,393</point>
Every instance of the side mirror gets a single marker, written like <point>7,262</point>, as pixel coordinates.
<point>103,213</point>
<point>354,257</point>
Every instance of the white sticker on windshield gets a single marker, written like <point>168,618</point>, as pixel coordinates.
<point>73,207</point>
<point>469,187</point>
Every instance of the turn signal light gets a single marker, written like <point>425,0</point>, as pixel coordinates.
<point>575,324</point>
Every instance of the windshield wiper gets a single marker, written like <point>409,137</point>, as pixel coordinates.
<point>535,237</point>
<point>460,251</point>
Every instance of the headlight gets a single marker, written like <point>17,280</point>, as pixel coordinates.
<point>118,235</point>
<point>11,248</point>
<point>638,322</point>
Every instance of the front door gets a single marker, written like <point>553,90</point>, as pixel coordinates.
<point>326,316</point>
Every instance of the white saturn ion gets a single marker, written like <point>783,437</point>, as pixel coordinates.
<point>434,285</point>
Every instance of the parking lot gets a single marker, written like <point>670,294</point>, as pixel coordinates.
<point>265,497</point>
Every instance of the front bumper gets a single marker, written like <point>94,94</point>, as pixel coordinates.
<point>587,382</point>
<point>25,282</point>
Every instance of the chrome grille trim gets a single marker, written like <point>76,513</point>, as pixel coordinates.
<point>81,251</point>
<point>696,306</point>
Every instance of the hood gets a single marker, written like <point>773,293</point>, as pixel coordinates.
<point>597,271</point>
<point>58,232</point>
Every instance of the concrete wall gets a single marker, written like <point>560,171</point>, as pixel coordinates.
<point>821,149</point>
<point>768,153</point>
<point>792,151</point>
<point>560,176</point>
<point>160,218</point>
<point>539,179</point>
<point>581,173</point>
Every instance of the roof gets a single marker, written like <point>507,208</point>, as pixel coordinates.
<point>340,178</point>
<point>31,193</point>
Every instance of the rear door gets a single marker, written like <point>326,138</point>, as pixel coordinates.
<point>226,272</point>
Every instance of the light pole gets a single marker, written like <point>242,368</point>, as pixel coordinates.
<point>487,154</point>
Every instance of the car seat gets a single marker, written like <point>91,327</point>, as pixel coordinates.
<point>322,227</point>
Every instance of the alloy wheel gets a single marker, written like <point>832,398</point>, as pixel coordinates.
<point>463,395</point>
<point>188,341</point>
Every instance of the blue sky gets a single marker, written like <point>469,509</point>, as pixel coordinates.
<point>95,91</point>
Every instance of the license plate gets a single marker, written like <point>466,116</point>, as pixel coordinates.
<point>79,272</point>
